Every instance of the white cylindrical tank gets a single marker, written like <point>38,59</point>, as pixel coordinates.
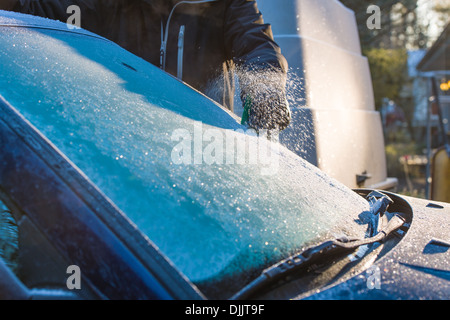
<point>335,125</point>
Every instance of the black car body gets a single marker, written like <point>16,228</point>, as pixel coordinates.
<point>92,172</point>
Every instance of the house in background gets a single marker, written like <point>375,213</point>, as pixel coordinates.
<point>424,65</point>
<point>435,68</point>
<point>418,95</point>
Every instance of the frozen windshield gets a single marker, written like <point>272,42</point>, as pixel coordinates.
<point>170,158</point>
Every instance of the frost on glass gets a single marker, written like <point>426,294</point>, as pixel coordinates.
<point>113,115</point>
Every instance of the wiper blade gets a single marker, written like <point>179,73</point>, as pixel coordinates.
<point>314,255</point>
<point>379,202</point>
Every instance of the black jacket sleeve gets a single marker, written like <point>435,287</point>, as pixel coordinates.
<point>249,41</point>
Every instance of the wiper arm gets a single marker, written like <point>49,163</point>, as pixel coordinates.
<point>315,255</point>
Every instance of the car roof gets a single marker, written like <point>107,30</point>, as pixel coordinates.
<point>15,19</point>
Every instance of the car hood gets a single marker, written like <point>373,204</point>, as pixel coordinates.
<point>417,268</point>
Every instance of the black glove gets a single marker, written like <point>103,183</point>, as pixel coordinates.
<point>265,104</point>
<point>268,110</point>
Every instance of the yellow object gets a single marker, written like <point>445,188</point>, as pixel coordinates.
<point>440,185</point>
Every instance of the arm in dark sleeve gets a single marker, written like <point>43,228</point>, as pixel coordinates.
<point>262,69</point>
<point>249,41</point>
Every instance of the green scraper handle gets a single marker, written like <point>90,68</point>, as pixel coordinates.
<point>247,104</point>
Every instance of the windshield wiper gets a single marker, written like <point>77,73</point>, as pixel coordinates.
<point>322,252</point>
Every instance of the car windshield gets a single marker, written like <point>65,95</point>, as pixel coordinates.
<point>169,157</point>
